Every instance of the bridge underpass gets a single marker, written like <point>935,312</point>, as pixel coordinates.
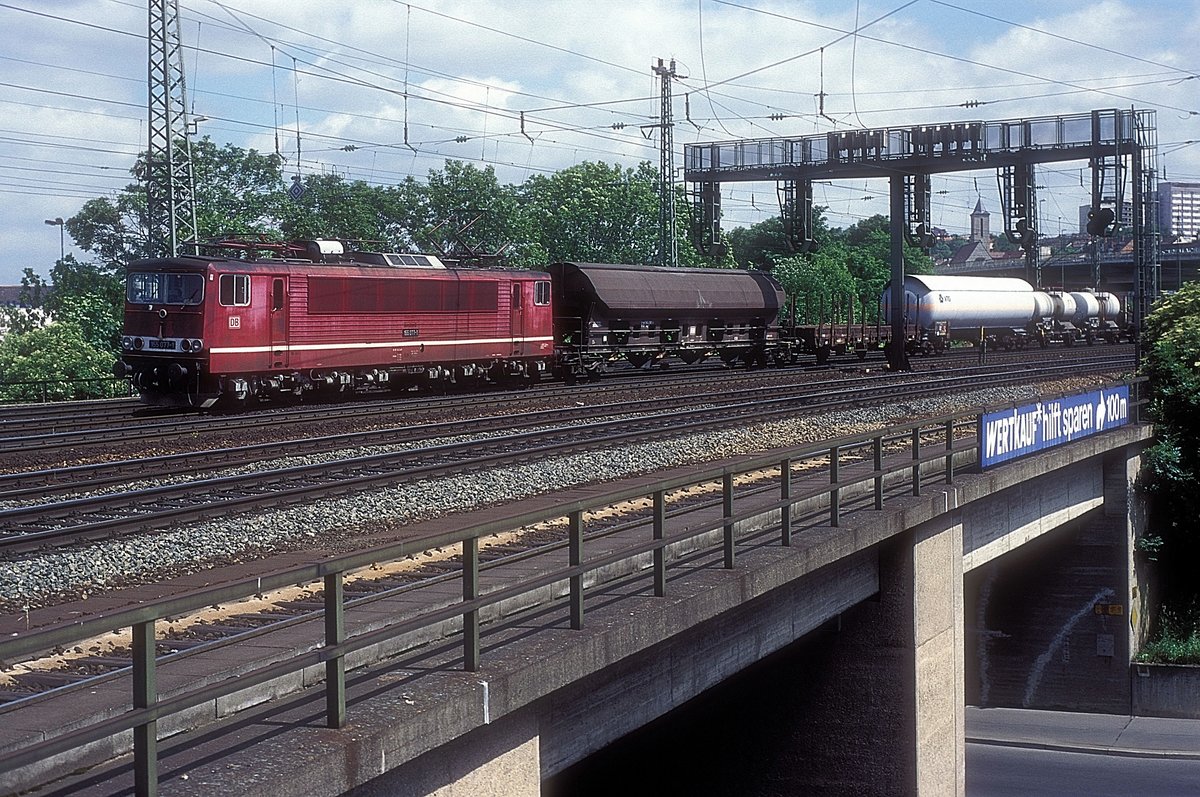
<point>548,695</point>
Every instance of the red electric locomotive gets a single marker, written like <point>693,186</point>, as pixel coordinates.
<point>206,329</point>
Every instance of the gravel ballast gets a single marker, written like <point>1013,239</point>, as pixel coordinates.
<point>46,578</point>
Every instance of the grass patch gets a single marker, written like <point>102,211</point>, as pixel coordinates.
<point>1177,638</point>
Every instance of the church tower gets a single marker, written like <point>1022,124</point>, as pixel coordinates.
<point>979,226</point>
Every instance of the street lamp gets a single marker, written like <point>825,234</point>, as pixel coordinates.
<point>62,246</point>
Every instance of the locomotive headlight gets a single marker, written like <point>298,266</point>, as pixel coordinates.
<point>138,343</point>
<point>185,345</point>
<point>127,343</point>
<point>197,344</point>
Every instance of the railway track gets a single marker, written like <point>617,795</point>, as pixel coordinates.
<point>44,430</point>
<point>278,611</point>
<point>32,526</point>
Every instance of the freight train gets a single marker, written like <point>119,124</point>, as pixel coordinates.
<point>1006,312</point>
<point>256,321</point>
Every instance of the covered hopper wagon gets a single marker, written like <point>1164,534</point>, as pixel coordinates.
<point>606,312</point>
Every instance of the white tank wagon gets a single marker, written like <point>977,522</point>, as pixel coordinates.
<point>1007,311</point>
<point>1097,314</point>
<point>941,308</point>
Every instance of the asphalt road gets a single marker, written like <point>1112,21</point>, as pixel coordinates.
<point>1032,753</point>
<point>996,771</point>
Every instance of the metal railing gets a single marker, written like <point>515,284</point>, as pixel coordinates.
<point>858,466</point>
<point>46,391</point>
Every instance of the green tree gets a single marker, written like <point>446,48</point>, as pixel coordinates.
<point>60,357</point>
<point>593,212</point>
<point>112,230</point>
<point>819,284</point>
<point>759,245</point>
<point>90,295</point>
<point>33,289</point>
<point>1172,361</point>
<point>464,211</point>
<point>237,190</point>
<point>332,207</point>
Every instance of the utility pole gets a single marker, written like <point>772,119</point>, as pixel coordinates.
<point>170,184</point>
<point>668,243</point>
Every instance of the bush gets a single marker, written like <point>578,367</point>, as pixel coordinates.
<point>1177,640</point>
<point>58,355</point>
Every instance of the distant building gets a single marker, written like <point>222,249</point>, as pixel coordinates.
<point>10,297</point>
<point>1179,211</point>
<point>974,256</point>
<point>980,232</point>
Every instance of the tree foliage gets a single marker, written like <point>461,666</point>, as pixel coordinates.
<point>1171,339</point>
<point>61,357</point>
<point>593,213</point>
<point>820,285</point>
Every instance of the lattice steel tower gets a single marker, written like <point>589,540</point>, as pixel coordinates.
<point>170,184</point>
<point>668,241</point>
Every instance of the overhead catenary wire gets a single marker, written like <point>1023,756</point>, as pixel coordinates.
<point>722,113</point>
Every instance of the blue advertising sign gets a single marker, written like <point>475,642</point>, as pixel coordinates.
<point>1014,433</point>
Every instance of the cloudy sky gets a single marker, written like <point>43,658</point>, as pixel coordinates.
<point>73,91</point>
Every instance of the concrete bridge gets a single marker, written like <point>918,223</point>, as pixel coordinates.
<point>679,597</point>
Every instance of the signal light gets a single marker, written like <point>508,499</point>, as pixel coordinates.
<point>1099,220</point>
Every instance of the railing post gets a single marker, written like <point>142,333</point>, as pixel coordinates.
<point>335,668</point>
<point>575,553</point>
<point>950,452</point>
<point>916,457</point>
<point>470,591</point>
<point>145,695</point>
<point>785,495</point>
<point>660,554</point>
<point>835,494</point>
<point>878,450</point>
<point>727,501</point>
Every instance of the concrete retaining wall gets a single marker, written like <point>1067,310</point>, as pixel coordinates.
<point>1166,690</point>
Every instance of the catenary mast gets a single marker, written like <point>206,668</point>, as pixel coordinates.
<point>170,185</point>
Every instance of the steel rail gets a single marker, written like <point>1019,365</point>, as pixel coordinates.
<point>96,516</point>
<point>76,424</point>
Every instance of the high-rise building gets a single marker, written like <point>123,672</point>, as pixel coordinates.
<point>1179,211</point>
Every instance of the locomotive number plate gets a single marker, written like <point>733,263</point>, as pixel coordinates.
<point>412,333</point>
<point>161,345</point>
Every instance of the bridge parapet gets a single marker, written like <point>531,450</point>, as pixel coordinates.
<point>864,490</point>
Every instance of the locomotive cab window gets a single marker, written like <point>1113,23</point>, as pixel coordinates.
<point>541,293</point>
<point>161,288</point>
<point>235,290</point>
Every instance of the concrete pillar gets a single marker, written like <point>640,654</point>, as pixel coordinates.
<point>939,670</point>
<point>885,709</point>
